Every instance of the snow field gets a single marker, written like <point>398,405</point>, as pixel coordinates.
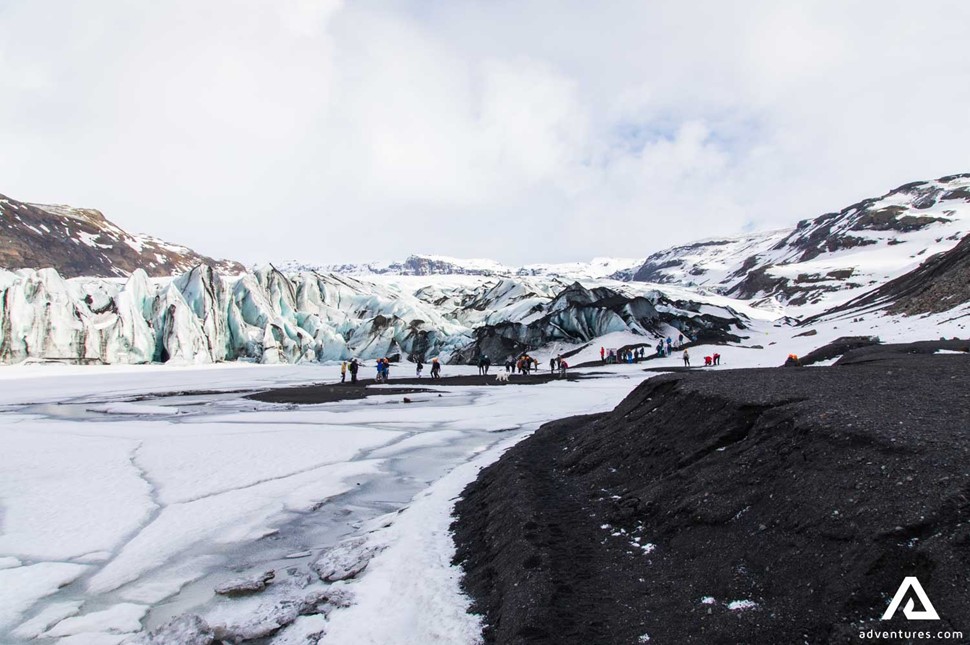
<point>117,502</point>
<point>111,507</point>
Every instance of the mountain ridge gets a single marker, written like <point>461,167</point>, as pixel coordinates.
<point>83,242</point>
<point>420,264</point>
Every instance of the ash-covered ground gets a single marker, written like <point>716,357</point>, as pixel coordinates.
<point>766,505</point>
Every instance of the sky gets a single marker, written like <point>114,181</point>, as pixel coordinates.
<point>522,130</point>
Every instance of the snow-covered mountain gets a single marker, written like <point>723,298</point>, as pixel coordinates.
<point>827,261</point>
<point>940,284</point>
<point>203,317</point>
<point>425,265</point>
<point>705,262</point>
<point>869,256</point>
<point>81,242</point>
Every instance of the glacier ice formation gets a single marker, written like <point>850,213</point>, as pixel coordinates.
<point>267,316</point>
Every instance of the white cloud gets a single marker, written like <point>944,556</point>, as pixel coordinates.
<point>526,131</point>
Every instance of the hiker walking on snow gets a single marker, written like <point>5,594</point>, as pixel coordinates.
<point>343,372</point>
<point>435,368</point>
<point>686,359</point>
<point>354,366</point>
<point>419,368</point>
<point>552,366</point>
<point>602,353</point>
<point>562,369</point>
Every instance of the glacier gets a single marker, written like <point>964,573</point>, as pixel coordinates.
<point>267,316</point>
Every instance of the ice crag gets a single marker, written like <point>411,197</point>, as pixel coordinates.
<point>271,317</point>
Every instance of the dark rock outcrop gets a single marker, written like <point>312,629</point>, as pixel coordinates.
<point>578,314</point>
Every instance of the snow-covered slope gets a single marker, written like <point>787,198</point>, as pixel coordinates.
<point>824,262</point>
<point>940,284</point>
<point>425,265</point>
<point>201,317</point>
<point>838,256</point>
<point>705,262</point>
<point>81,242</point>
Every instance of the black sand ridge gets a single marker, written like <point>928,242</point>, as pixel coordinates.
<point>333,392</point>
<point>811,492</point>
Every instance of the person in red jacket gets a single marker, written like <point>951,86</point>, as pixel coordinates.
<point>602,353</point>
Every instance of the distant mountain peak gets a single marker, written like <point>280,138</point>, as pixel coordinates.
<point>828,260</point>
<point>427,264</point>
<point>83,242</point>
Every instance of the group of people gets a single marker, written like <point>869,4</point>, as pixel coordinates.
<point>383,366</point>
<point>484,362</point>
<point>714,359</point>
<point>352,366</point>
<point>666,347</point>
<point>613,356</point>
<point>523,365</point>
<point>557,364</point>
<point>435,367</point>
<point>383,370</point>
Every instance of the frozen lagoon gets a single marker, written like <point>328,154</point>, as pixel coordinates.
<point>126,497</point>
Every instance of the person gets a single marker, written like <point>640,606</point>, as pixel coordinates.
<point>419,368</point>
<point>435,368</point>
<point>660,349</point>
<point>558,360</point>
<point>343,372</point>
<point>670,344</point>
<point>488,364</point>
<point>354,366</point>
<point>508,365</point>
<point>680,340</point>
<point>603,354</point>
<point>708,361</point>
<point>552,365</point>
<point>380,370</point>
<point>717,359</point>
<point>562,369</point>
<point>686,359</point>
<point>481,365</point>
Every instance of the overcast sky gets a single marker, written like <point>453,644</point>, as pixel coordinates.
<point>524,131</point>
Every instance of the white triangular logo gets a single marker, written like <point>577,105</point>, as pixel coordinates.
<point>927,613</point>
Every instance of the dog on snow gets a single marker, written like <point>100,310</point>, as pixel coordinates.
<point>502,377</point>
